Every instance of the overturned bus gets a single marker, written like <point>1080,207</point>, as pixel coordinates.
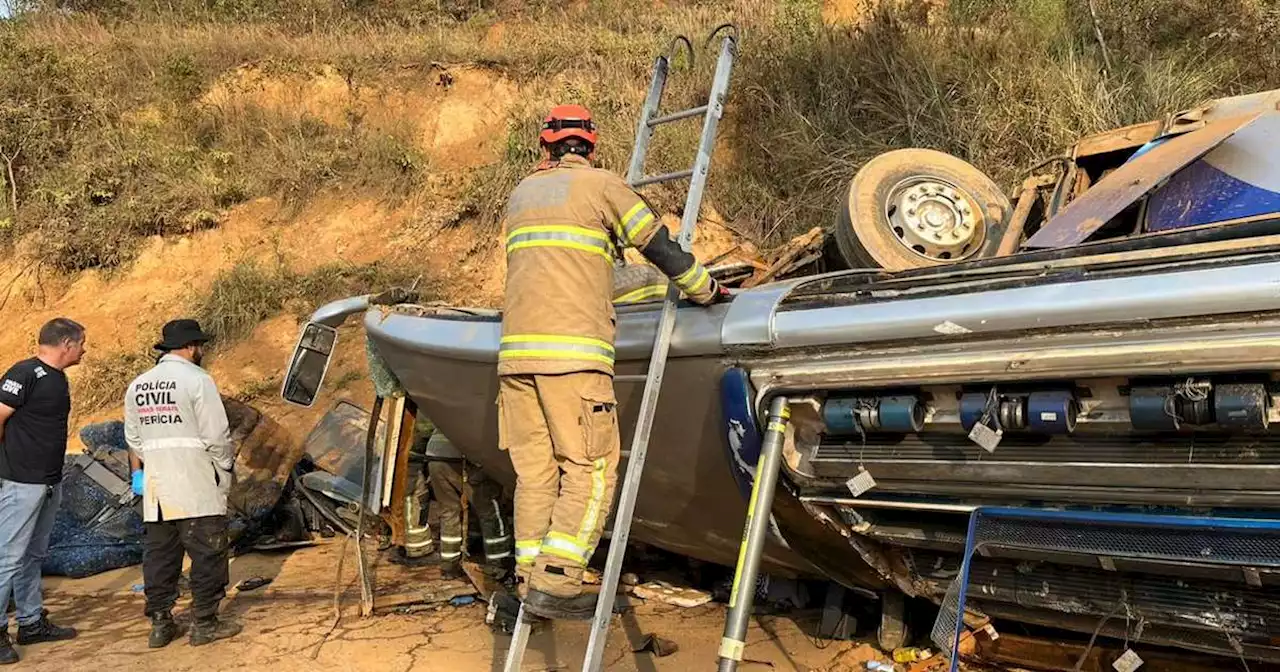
<point>1116,324</point>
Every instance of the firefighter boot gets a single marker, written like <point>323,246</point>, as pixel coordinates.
<point>580,607</point>
<point>451,570</point>
<point>208,630</point>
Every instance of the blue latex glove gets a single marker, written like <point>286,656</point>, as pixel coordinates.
<point>137,482</point>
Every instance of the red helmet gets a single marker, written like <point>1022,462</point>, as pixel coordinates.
<point>567,121</point>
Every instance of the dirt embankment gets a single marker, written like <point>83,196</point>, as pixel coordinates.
<point>124,309</point>
<point>459,117</point>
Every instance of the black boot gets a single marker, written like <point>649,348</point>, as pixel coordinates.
<point>499,569</point>
<point>43,630</point>
<point>451,570</point>
<point>163,630</point>
<point>581,607</point>
<point>398,557</point>
<point>7,655</point>
<point>207,630</point>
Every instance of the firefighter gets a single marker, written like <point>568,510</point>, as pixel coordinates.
<point>565,226</point>
<point>435,461</point>
<point>446,466</point>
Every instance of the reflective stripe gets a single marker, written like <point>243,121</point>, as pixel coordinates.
<point>636,219</point>
<point>693,279</point>
<point>594,503</point>
<point>418,544</point>
<point>502,524</point>
<point>646,292</point>
<point>499,540</point>
<point>455,540</point>
<point>550,346</point>
<point>527,551</point>
<point>777,427</point>
<point>497,556</point>
<point>450,556</point>
<point>568,236</point>
<point>564,546</point>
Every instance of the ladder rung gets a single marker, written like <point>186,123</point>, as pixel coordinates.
<point>637,378</point>
<point>679,115</point>
<point>665,177</point>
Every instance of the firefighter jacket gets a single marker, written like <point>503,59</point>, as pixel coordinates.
<point>565,225</point>
<point>175,423</point>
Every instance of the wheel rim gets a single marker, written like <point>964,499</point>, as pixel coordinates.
<point>935,219</point>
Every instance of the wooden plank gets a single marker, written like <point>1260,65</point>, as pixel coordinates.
<point>804,247</point>
<point>394,513</point>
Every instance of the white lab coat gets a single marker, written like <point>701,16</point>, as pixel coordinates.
<point>175,423</point>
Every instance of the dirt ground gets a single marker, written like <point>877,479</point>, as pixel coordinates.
<point>285,626</point>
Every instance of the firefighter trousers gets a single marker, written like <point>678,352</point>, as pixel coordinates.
<point>417,533</point>
<point>561,432</point>
<point>483,496</point>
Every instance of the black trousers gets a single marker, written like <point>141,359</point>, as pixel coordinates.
<point>205,540</point>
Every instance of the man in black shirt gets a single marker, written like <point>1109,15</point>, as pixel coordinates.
<point>35,403</point>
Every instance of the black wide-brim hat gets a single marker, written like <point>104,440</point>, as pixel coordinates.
<point>178,334</point>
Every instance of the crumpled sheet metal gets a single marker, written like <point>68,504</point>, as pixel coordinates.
<point>1131,181</point>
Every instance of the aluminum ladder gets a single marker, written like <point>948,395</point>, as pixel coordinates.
<point>650,119</point>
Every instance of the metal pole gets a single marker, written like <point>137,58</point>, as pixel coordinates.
<point>754,534</point>
<point>707,144</point>
<point>366,482</point>
<point>598,640</point>
<point>969,543</point>
<point>519,641</point>
<point>635,170</point>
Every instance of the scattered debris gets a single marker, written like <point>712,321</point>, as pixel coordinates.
<point>462,600</point>
<point>485,583</point>
<point>911,654</point>
<point>629,579</point>
<point>252,583</point>
<point>853,658</point>
<point>1127,662</point>
<point>400,587</point>
<point>800,251</point>
<point>658,646</point>
<point>103,529</point>
<point>669,594</point>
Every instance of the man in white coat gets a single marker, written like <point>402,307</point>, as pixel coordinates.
<point>182,457</point>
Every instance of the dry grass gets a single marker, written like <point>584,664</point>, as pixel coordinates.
<point>246,294</point>
<point>104,379</point>
<point>1002,88</point>
<point>1001,83</point>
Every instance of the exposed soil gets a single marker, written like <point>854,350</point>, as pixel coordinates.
<point>286,624</point>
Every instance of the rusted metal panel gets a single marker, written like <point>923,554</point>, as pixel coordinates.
<point>1131,181</point>
<point>1068,656</point>
<point>1117,139</point>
